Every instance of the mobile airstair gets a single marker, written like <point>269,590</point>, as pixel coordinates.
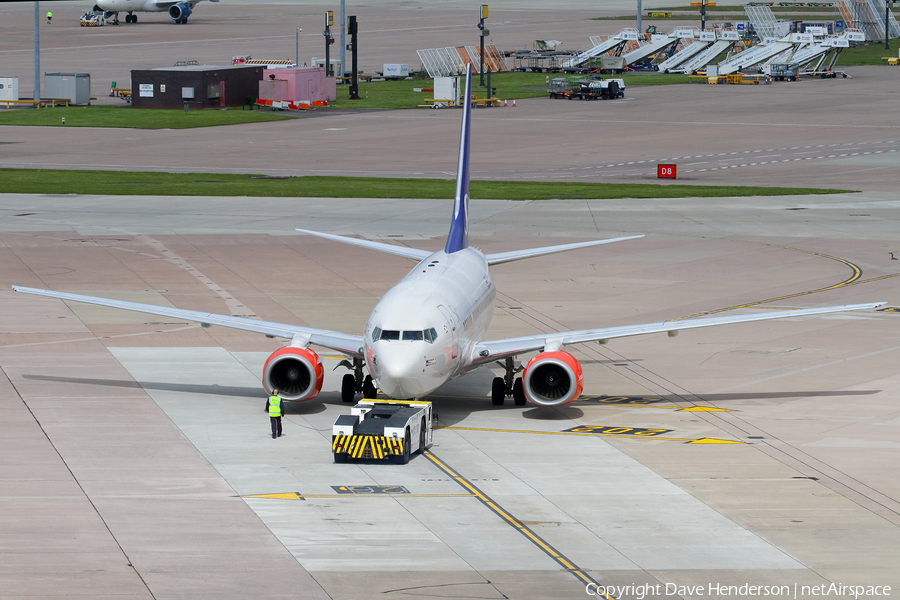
<point>704,39</point>
<point>601,47</point>
<point>658,43</point>
<point>724,41</point>
<point>761,53</point>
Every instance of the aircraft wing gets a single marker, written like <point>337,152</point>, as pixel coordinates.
<point>489,351</point>
<point>342,342</point>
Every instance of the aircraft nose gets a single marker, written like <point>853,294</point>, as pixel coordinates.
<point>400,370</point>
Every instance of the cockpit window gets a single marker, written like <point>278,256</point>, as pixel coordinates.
<point>429,335</point>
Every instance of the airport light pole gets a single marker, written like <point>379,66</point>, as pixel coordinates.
<point>639,16</point>
<point>297,36</point>
<point>37,50</point>
<point>329,21</point>
<point>887,24</point>
<point>702,15</point>
<point>484,32</point>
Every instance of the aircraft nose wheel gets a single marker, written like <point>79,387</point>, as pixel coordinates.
<point>369,389</point>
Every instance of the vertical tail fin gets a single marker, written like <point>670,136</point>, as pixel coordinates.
<point>458,238</point>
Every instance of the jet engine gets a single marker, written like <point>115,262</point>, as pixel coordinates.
<point>552,378</point>
<point>297,373</point>
<point>179,13</point>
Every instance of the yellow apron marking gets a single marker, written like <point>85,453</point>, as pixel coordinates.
<point>596,435</point>
<point>299,496</point>
<point>515,523</point>
<point>704,409</point>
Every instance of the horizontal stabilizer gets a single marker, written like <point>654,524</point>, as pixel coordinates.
<point>413,253</point>
<point>504,257</point>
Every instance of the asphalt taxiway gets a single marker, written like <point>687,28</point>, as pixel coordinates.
<point>135,460</point>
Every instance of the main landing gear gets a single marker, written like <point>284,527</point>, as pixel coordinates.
<point>353,383</point>
<point>508,385</point>
<point>131,18</point>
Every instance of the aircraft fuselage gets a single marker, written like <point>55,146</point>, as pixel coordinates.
<point>423,330</point>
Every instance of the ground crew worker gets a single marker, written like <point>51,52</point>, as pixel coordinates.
<point>276,409</point>
<point>49,17</point>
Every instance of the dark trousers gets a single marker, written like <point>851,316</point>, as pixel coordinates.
<point>276,426</point>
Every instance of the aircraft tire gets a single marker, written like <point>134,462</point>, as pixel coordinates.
<point>519,392</point>
<point>498,391</point>
<point>369,389</point>
<point>422,437</point>
<point>348,387</point>
<point>134,18</point>
<point>403,459</point>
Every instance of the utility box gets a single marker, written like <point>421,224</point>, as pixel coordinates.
<point>9,88</point>
<point>76,87</point>
<point>337,69</point>
<point>712,70</point>
<point>395,71</point>
<point>446,91</point>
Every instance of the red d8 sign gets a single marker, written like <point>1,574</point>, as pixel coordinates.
<point>666,171</point>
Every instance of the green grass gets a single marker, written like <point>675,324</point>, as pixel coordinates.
<point>41,181</point>
<point>127,116</point>
<point>870,54</point>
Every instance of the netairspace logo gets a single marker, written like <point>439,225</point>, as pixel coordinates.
<point>717,590</point>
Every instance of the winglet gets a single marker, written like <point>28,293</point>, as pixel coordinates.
<point>458,238</point>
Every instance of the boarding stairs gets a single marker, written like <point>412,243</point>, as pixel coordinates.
<point>761,53</point>
<point>724,41</point>
<point>602,47</point>
<point>703,40</point>
<point>658,43</point>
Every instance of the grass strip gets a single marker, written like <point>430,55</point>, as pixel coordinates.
<point>46,181</point>
<point>130,117</point>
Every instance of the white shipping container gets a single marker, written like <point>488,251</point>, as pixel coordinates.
<point>9,88</point>
<point>396,71</point>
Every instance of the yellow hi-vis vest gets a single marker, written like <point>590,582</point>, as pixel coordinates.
<point>274,407</point>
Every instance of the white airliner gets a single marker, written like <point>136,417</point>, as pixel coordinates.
<point>430,327</point>
<point>179,10</point>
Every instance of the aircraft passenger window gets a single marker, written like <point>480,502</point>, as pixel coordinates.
<point>390,334</point>
<point>376,334</point>
<point>430,335</point>
<point>413,335</point>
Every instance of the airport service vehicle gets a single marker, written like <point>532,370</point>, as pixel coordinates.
<point>587,89</point>
<point>178,10</point>
<point>93,19</point>
<point>431,326</point>
<point>782,71</point>
<point>383,429</point>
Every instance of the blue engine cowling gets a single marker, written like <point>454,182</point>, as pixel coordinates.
<point>179,12</point>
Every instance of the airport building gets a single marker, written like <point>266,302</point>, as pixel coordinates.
<point>198,86</point>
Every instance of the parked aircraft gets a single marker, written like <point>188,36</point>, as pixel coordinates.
<point>178,10</point>
<point>430,327</point>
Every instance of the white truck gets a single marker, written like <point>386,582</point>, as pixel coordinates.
<point>383,429</point>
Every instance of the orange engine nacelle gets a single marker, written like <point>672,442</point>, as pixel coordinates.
<point>296,373</point>
<point>552,378</point>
